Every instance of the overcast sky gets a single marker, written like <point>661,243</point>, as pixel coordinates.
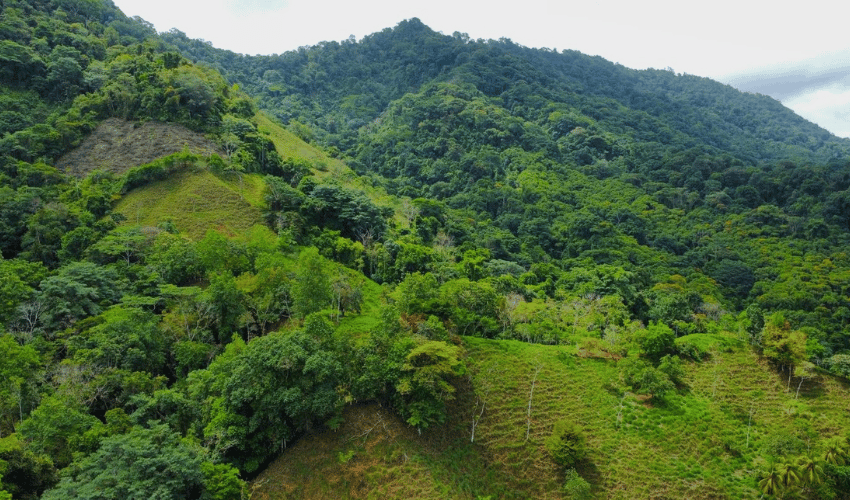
<point>798,53</point>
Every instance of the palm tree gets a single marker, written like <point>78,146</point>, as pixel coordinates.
<point>836,453</point>
<point>789,475</point>
<point>771,483</point>
<point>810,470</point>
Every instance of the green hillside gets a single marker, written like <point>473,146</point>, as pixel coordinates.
<point>195,202</point>
<point>413,266</point>
<point>727,419</point>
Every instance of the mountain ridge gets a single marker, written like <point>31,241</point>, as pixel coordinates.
<point>439,54</point>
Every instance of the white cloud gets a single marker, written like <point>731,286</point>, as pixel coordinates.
<point>828,106</point>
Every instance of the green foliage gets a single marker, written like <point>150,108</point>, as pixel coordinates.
<point>782,345</point>
<point>412,295</point>
<point>18,368</point>
<point>425,383</point>
<point>149,463</point>
<point>567,445</point>
<point>221,482</point>
<point>292,388</point>
<point>227,304</point>
<point>122,337</point>
<point>25,474</point>
<point>840,365</point>
<point>643,378</point>
<point>655,340</point>
<point>543,196</point>
<point>672,366</point>
<point>311,290</point>
<point>699,346</point>
<point>157,170</point>
<point>78,290</point>
<point>341,209</point>
<point>473,307</point>
<point>575,486</point>
<point>56,427</point>
<point>14,287</point>
<point>771,481</point>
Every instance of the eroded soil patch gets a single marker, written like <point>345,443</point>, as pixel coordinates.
<point>117,145</point>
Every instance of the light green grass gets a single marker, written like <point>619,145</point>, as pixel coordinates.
<point>195,201</point>
<point>372,455</point>
<point>693,445</point>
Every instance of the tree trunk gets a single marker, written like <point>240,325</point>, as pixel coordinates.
<point>798,387</point>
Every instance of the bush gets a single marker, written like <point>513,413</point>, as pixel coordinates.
<point>672,367</point>
<point>567,444</point>
<point>575,486</point>
<point>839,365</point>
<point>656,340</point>
<point>646,379</point>
<point>157,170</point>
<point>691,350</point>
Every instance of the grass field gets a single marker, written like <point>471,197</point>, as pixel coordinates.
<point>709,440</point>
<point>195,200</point>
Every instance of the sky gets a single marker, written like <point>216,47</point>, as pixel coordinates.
<point>797,53</point>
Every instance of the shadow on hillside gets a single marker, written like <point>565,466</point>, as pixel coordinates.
<point>591,474</point>
<point>809,387</point>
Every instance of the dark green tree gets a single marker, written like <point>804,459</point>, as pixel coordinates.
<point>567,444</point>
<point>144,463</point>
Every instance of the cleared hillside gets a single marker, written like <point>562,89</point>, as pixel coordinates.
<point>118,145</point>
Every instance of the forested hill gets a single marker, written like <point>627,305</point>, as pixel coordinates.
<point>435,267</point>
<point>338,87</point>
<point>542,157</point>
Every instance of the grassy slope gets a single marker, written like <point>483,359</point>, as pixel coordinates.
<point>196,200</point>
<point>325,167</point>
<point>693,446</point>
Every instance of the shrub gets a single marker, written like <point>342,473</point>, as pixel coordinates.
<point>672,367</point>
<point>575,486</point>
<point>567,444</point>
<point>656,340</point>
<point>839,365</point>
<point>691,350</point>
<point>646,379</point>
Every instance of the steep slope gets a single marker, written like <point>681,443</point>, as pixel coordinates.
<point>195,202</point>
<point>117,145</point>
<point>729,413</point>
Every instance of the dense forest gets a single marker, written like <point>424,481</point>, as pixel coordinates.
<point>544,274</point>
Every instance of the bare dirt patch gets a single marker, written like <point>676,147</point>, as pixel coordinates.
<point>118,145</point>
